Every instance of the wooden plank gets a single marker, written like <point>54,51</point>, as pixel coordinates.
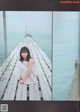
<point>45,57</point>
<point>7,62</point>
<point>9,83</point>
<point>24,89</point>
<point>46,92</point>
<point>13,82</point>
<point>8,90</point>
<point>34,92</point>
<point>14,86</point>
<point>9,58</point>
<point>24,93</point>
<point>45,68</point>
<point>5,80</point>
<point>3,83</point>
<point>33,89</point>
<point>11,89</point>
<point>19,92</point>
<point>13,92</point>
<point>20,95</point>
<point>7,75</point>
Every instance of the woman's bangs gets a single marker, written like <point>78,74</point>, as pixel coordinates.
<point>23,51</point>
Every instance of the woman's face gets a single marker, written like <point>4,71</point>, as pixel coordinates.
<point>24,55</point>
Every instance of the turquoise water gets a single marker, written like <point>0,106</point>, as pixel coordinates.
<point>14,38</point>
<point>65,52</point>
<point>65,49</point>
<point>37,23</point>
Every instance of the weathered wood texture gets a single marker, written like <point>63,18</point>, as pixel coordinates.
<point>11,89</point>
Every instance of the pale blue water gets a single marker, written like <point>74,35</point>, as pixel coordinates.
<point>37,23</point>
<point>14,38</point>
<point>65,52</point>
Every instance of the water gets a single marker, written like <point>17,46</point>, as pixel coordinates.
<point>65,49</point>
<point>37,23</point>
<point>65,52</point>
<point>45,42</point>
<point>14,38</point>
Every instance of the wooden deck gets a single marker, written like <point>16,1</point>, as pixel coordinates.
<point>11,89</point>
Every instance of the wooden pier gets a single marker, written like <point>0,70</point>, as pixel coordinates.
<point>11,89</point>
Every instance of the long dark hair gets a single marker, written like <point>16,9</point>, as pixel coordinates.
<point>23,50</point>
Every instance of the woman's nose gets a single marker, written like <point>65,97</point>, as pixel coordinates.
<point>23,54</point>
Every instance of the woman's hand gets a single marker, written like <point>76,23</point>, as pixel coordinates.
<point>20,78</point>
<point>21,81</point>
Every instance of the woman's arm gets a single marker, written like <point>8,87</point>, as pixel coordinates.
<point>31,62</point>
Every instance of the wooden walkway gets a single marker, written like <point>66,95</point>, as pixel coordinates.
<point>11,89</point>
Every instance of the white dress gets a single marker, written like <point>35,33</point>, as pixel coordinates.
<point>21,70</point>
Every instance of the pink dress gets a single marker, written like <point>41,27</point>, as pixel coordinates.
<point>21,70</point>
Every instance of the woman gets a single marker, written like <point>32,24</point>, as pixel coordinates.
<point>26,68</point>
